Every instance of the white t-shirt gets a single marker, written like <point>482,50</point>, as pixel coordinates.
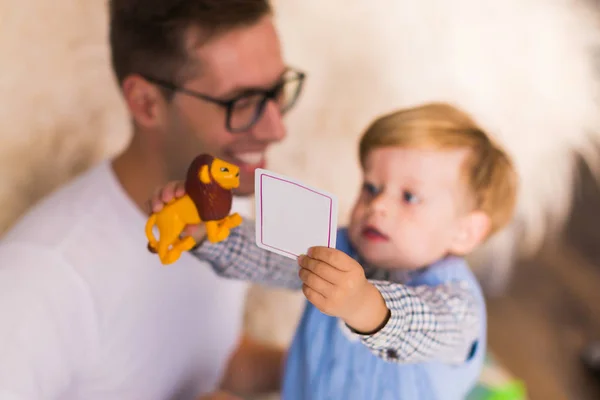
<point>87,313</point>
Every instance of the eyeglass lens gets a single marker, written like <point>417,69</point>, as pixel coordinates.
<point>248,109</point>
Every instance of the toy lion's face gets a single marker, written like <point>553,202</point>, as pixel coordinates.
<point>225,174</point>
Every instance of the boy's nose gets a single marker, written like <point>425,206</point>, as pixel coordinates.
<point>380,204</point>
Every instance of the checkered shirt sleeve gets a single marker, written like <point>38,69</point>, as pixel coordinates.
<point>238,257</point>
<point>426,322</point>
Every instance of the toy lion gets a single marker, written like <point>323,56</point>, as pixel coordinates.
<point>208,199</point>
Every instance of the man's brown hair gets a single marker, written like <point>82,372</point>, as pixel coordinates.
<point>151,37</point>
<point>488,170</point>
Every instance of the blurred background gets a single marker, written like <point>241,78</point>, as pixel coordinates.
<point>526,70</point>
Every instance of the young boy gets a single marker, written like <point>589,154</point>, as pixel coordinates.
<point>394,312</point>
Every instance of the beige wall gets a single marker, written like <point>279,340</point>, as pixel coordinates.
<point>521,67</point>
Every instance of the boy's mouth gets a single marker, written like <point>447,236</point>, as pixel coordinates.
<point>372,233</point>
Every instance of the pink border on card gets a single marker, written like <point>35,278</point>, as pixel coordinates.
<point>303,187</point>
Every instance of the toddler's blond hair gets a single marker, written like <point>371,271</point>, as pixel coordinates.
<point>488,170</point>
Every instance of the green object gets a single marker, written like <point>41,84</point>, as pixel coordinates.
<point>511,391</point>
<point>514,391</point>
<point>497,384</point>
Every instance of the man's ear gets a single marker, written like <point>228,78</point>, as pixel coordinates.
<point>144,100</point>
<point>472,231</point>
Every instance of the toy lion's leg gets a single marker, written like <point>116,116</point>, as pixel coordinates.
<point>184,244</point>
<point>171,256</point>
<point>232,221</point>
<point>152,242</point>
<point>170,227</point>
<point>215,231</point>
<point>163,252</point>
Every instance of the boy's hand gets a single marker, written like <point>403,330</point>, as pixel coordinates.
<point>336,284</point>
<point>174,190</point>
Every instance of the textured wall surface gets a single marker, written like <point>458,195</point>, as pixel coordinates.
<point>523,68</point>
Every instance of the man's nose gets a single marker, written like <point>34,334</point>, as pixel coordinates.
<point>270,127</point>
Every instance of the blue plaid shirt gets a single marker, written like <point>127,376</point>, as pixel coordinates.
<point>427,322</point>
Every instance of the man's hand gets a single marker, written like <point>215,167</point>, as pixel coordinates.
<point>171,191</point>
<point>336,284</point>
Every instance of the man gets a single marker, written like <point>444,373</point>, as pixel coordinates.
<point>86,311</point>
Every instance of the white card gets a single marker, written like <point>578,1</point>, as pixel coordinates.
<point>291,217</point>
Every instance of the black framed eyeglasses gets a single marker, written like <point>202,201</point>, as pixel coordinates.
<point>246,109</point>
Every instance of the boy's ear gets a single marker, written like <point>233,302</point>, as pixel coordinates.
<point>472,231</point>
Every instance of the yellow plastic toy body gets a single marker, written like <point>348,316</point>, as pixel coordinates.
<point>208,199</point>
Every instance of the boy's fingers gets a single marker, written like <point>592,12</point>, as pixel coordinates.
<point>179,189</point>
<point>165,194</point>
<point>176,189</point>
<point>321,269</point>
<point>331,256</point>
<point>311,295</point>
<point>157,204</point>
<point>315,282</point>
<point>168,192</point>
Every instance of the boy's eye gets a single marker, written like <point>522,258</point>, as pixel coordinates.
<point>409,197</point>
<point>370,189</point>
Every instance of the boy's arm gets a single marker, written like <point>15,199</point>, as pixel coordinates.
<point>238,257</point>
<point>426,323</point>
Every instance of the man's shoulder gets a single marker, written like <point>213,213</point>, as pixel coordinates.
<point>38,250</point>
<point>21,261</point>
<point>52,217</point>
